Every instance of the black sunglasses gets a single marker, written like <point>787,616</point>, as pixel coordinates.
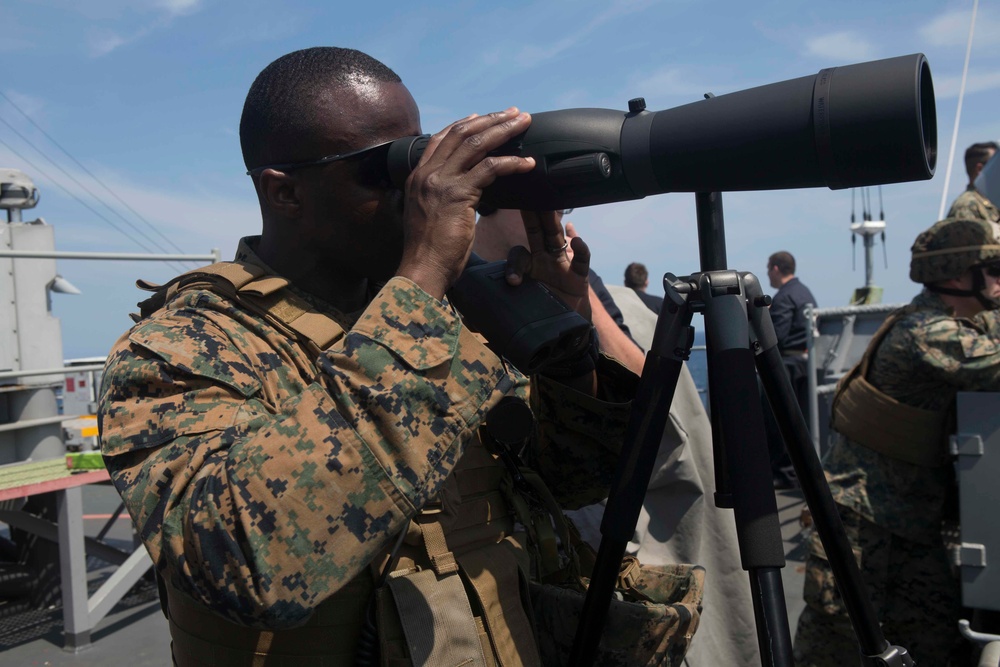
<point>374,169</point>
<point>992,270</point>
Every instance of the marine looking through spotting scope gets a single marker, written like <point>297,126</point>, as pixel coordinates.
<point>865,124</point>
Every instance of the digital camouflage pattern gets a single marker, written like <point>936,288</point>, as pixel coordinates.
<point>950,247</point>
<point>924,360</point>
<point>972,205</point>
<point>262,479</point>
<point>637,633</point>
<point>911,586</point>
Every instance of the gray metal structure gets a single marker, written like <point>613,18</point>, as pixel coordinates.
<point>31,427</point>
<point>81,611</point>
<point>976,445</point>
<point>30,336</point>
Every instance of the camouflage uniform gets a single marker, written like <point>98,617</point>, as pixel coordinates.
<point>893,511</point>
<point>265,476</point>
<point>971,205</point>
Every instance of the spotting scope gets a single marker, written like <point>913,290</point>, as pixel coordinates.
<point>865,124</point>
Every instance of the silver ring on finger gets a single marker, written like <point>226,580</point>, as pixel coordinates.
<point>555,250</point>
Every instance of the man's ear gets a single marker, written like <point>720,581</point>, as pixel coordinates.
<point>279,192</point>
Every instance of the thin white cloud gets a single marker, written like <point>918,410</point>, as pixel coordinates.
<point>952,29</point>
<point>977,82</point>
<point>841,46</point>
<point>274,29</point>
<point>179,7</point>
<point>105,41</point>
<point>533,55</point>
<point>100,45</point>
<point>197,222</point>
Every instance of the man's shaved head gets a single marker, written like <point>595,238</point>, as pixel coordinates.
<point>281,111</point>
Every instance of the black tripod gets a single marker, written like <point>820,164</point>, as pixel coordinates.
<point>738,334</point>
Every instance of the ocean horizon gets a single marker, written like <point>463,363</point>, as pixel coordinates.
<point>697,363</point>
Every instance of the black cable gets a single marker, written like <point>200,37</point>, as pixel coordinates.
<point>82,203</point>
<point>89,173</point>
<point>155,243</point>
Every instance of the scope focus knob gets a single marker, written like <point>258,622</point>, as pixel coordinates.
<point>589,168</point>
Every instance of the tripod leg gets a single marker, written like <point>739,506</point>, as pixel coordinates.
<point>826,519</point>
<point>650,410</point>
<point>733,381</point>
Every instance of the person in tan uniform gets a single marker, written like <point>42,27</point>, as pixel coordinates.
<point>325,465</point>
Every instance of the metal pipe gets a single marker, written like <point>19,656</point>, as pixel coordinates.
<point>6,375</point>
<point>30,423</point>
<point>812,332</point>
<point>72,254</point>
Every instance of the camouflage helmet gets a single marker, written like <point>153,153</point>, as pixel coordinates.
<point>951,247</point>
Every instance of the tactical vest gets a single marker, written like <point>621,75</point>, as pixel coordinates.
<point>459,587</point>
<point>881,423</point>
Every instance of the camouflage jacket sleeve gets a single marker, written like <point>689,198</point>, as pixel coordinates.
<point>971,205</point>
<point>928,356</point>
<point>261,504</point>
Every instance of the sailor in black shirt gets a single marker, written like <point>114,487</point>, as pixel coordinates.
<point>788,315</point>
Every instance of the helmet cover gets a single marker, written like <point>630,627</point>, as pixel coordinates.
<point>950,248</point>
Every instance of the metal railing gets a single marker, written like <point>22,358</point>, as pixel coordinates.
<point>66,370</point>
<point>214,256</point>
<point>55,419</point>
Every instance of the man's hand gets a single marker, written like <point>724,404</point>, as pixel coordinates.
<point>442,193</point>
<point>551,259</point>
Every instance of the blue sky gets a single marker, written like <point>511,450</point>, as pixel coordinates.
<point>146,95</point>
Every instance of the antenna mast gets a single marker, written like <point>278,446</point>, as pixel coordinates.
<point>958,111</point>
<point>868,229</point>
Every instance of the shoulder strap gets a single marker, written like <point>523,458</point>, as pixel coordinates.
<point>876,340</point>
<point>252,287</point>
<point>871,418</point>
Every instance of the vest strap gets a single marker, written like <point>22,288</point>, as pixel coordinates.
<point>884,425</point>
<point>437,620</point>
<point>238,274</point>
<point>441,558</point>
<point>496,579</point>
<point>249,284</point>
<point>881,423</point>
